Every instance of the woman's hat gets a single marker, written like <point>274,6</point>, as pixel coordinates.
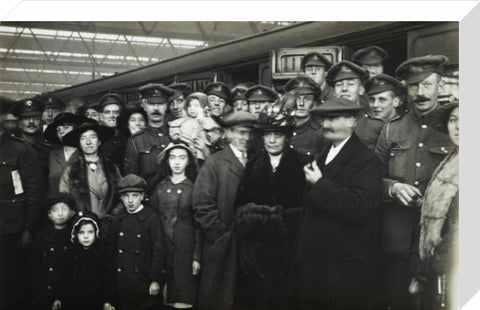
<point>173,145</point>
<point>438,119</point>
<point>64,118</point>
<point>122,120</point>
<point>278,121</point>
<point>201,97</point>
<point>73,138</point>
<point>84,216</point>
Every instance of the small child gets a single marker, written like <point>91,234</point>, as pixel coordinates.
<point>50,254</point>
<point>90,278</point>
<point>140,248</point>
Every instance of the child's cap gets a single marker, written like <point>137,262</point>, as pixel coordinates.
<point>55,198</point>
<point>84,216</point>
<point>131,183</point>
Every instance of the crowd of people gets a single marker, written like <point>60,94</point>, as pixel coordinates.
<point>339,193</point>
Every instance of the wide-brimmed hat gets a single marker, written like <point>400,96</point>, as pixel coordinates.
<point>438,119</point>
<point>73,138</point>
<point>50,133</point>
<point>122,119</point>
<point>174,145</point>
<point>239,118</point>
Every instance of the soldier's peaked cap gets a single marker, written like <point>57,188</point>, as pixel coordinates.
<point>261,93</point>
<point>415,70</point>
<point>218,89</point>
<point>155,93</point>
<point>344,70</point>
<point>110,98</point>
<point>315,59</point>
<point>303,85</point>
<point>370,55</point>
<point>28,108</point>
<point>382,83</point>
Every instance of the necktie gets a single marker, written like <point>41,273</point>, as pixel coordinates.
<point>243,158</point>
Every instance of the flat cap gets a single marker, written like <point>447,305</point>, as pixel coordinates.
<point>303,85</point>
<point>218,89</point>
<point>53,102</point>
<point>110,98</point>
<point>155,93</point>
<point>241,118</point>
<point>180,89</point>
<point>337,107</point>
<point>382,83</point>
<point>415,70</point>
<point>370,55</point>
<point>261,93</point>
<point>344,70</point>
<point>131,183</point>
<point>438,118</point>
<point>28,108</point>
<point>315,59</point>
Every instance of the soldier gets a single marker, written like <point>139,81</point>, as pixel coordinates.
<point>176,103</point>
<point>371,58</point>
<point>315,66</point>
<point>384,95</point>
<point>21,189</point>
<point>239,100</point>
<point>306,137</point>
<point>29,112</point>
<point>347,80</point>
<point>53,107</point>
<point>260,97</point>
<point>218,97</point>
<point>411,150</point>
<point>143,147</point>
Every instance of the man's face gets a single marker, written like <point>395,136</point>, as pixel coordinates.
<point>63,130</point>
<point>132,200</point>
<point>337,128</point>
<point>382,105</point>
<point>239,136</point>
<point>31,125</point>
<point>49,114</point>
<point>240,105</point>
<point>109,115</point>
<point>176,106</point>
<point>317,73</point>
<point>93,114</point>
<point>155,111</point>
<point>304,104</point>
<point>256,107</point>
<point>274,142</point>
<point>89,142</point>
<point>216,104</point>
<point>349,88</point>
<point>452,127</point>
<point>425,93</point>
<point>373,69</point>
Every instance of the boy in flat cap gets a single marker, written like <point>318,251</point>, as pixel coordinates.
<point>411,150</point>
<point>213,204</point>
<point>144,146</point>
<point>260,97</point>
<point>338,235</point>
<point>347,80</point>
<point>315,65</point>
<point>218,98</point>
<point>371,59</point>
<point>140,248</point>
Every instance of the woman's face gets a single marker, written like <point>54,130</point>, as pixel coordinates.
<point>63,130</point>
<point>86,235</point>
<point>93,114</point>
<point>452,126</point>
<point>89,142</point>
<point>178,160</point>
<point>274,142</point>
<point>136,122</point>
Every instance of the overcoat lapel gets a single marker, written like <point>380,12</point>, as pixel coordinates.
<point>234,164</point>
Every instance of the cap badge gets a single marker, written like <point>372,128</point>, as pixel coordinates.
<point>50,100</point>
<point>416,69</point>
<point>259,92</point>
<point>345,69</point>
<point>28,103</point>
<point>156,91</point>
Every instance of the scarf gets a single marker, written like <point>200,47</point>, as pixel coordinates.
<point>441,190</point>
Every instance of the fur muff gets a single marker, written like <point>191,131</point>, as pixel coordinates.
<point>260,223</point>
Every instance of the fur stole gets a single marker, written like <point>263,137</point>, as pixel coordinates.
<point>440,192</point>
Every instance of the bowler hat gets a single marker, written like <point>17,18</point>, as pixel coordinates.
<point>337,107</point>
<point>73,137</point>
<point>370,55</point>
<point>344,70</point>
<point>131,183</point>
<point>415,70</point>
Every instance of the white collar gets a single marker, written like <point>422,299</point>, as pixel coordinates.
<point>341,144</point>
<point>136,211</point>
<point>275,160</point>
<point>334,150</point>
<point>236,151</point>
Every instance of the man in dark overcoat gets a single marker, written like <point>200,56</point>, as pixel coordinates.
<point>337,239</point>
<point>214,195</point>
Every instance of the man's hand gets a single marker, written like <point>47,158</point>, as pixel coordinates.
<point>57,305</point>
<point>312,172</point>
<point>108,306</point>
<point>405,193</point>
<point>414,287</point>
<point>195,268</point>
<point>154,288</point>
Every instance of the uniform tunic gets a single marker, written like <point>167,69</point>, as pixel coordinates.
<point>307,139</point>
<point>184,241</point>
<point>368,130</point>
<point>115,149</point>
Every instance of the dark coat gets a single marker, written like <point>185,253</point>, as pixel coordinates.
<point>75,180</point>
<point>50,253</point>
<point>337,239</point>
<point>56,166</point>
<point>266,285</point>
<point>173,203</point>
<point>42,150</point>
<point>140,257</point>
<point>22,211</point>
<point>114,149</point>
<point>213,204</point>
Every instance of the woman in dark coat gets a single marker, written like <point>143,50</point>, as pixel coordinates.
<point>267,218</point>
<point>172,198</point>
<point>92,179</point>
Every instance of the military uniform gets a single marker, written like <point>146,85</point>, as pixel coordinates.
<point>368,130</point>
<point>314,59</point>
<point>307,139</point>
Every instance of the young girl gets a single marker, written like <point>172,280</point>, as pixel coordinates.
<point>172,196</point>
<point>90,277</point>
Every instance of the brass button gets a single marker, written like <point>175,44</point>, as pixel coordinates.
<point>49,287</point>
<point>179,191</point>
<point>424,126</point>
<point>139,236</point>
<point>420,144</point>
<point>416,183</point>
<point>119,269</point>
<point>52,249</point>
<point>418,165</point>
<point>120,251</point>
<point>168,191</point>
<point>50,269</point>
<point>137,252</point>
<point>120,234</point>
<point>294,134</point>
<point>135,270</point>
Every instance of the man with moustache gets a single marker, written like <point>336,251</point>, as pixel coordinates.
<point>214,195</point>
<point>315,66</point>
<point>306,137</point>
<point>410,150</point>
<point>385,101</point>
<point>29,112</point>
<point>338,236</point>
<point>371,59</point>
<point>218,98</point>
<point>143,147</point>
